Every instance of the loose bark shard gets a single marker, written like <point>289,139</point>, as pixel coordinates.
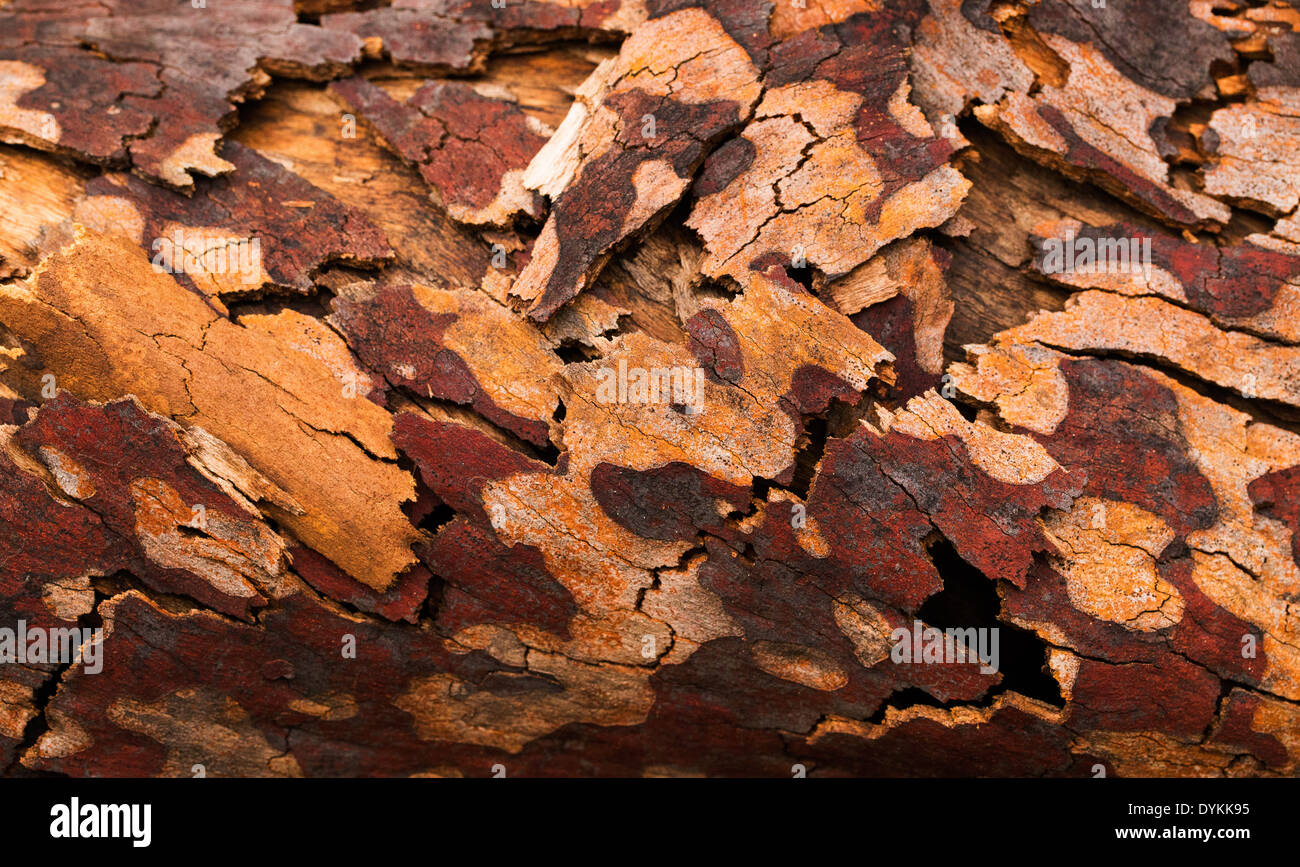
<point>431,342</point>
<point>167,107</point>
<point>678,85</point>
<point>262,228</point>
<point>1151,328</point>
<point>1242,287</point>
<point>149,337</point>
<point>471,149</point>
<point>836,164</point>
<point>901,298</point>
<point>1050,86</point>
<point>187,535</point>
<point>457,35</point>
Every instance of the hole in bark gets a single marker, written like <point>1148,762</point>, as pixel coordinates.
<point>807,458</point>
<point>310,12</point>
<point>843,419</point>
<point>438,518</point>
<point>16,412</point>
<point>970,599</point>
<point>316,306</point>
<point>106,586</point>
<point>548,454</point>
<point>432,598</point>
<point>967,411</point>
<point>910,696</point>
<point>38,725</point>
<point>573,352</point>
<point>803,276</point>
<point>723,288</point>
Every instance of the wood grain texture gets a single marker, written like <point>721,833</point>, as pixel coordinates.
<point>633,388</point>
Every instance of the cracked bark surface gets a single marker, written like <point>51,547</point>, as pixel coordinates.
<point>359,500</point>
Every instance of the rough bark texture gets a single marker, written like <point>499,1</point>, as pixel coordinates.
<point>457,388</point>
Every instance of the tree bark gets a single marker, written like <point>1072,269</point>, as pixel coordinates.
<point>650,387</point>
